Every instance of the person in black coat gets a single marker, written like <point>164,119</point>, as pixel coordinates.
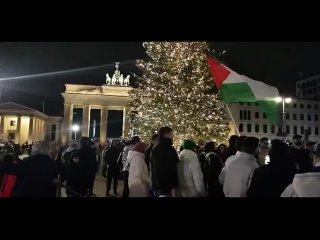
<point>164,159</point>
<point>37,175</point>
<point>111,168</point>
<point>86,167</point>
<point>300,155</point>
<point>271,180</point>
<point>212,169</point>
<point>222,152</point>
<point>154,142</point>
<point>232,149</point>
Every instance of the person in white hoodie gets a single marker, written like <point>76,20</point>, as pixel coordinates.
<point>240,171</point>
<point>190,176</point>
<point>306,184</point>
<point>139,180</point>
<point>239,147</point>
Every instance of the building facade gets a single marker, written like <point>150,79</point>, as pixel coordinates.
<point>308,88</point>
<point>22,124</point>
<point>102,101</point>
<point>300,116</point>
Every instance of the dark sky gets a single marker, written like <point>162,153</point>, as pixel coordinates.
<point>276,63</point>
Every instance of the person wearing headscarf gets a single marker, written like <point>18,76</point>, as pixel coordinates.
<point>190,176</point>
<point>139,180</point>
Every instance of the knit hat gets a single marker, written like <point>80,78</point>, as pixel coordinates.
<point>139,147</point>
<point>189,144</point>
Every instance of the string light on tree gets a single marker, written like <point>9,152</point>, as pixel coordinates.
<point>175,90</point>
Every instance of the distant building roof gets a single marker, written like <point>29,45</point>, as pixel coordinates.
<point>15,108</point>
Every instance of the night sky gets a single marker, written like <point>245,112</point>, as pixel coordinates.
<point>276,63</point>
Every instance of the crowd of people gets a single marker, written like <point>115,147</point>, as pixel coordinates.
<point>247,167</point>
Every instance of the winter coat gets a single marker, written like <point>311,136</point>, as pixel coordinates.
<point>190,176</point>
<point>271,180</point>
<point>304,185</point>
<point>302,159</point>
<point>239,174</point>
<point>139,181</point>
<point>87,163</point>
<point>213,167</point>
<point>36,176</point>
<point>148,155</point>
<point>8,176</point>
<point>83,170</point>
<point>125,152</point>
<point>226,165</point>
<point>164,159</point>
<point>111,162</point>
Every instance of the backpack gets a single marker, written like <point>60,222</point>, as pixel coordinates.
<point>7,186</point>
<point>8,182</point>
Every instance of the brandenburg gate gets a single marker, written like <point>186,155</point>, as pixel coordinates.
<point>114,95</point>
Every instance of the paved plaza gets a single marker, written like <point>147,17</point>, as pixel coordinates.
<point>100,187</point>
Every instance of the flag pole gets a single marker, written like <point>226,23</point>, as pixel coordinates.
<point>232,119</point>
<point>209,54</point>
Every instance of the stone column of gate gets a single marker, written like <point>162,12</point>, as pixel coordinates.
<point>103,124</point>
<point>18,131</point>
<point>125,124</point>
<point>85,121</point>
<point>66,131</point>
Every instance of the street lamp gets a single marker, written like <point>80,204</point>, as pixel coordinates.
<point>75,128</point>
<point>283,100</point>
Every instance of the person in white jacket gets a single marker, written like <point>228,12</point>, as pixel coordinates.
<point>190,176</point>
<point>306,184</point>
<point>231,159</point>
<point>139,180</point>
<point>240,171</point>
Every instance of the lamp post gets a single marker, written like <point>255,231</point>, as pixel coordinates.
<point>75,128</point>
<point>283,100</point>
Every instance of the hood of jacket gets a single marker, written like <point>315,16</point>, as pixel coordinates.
<point>132,154</point>
<point>307,184</point>
<point>187,155</point>
<point>128,147</point>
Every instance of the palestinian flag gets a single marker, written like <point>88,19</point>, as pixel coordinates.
<point>236,88</point>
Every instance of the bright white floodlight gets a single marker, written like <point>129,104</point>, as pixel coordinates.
<point>278,99</point>
<point>288,100</point>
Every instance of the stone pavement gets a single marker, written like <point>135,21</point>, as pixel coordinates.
<point>100,187</point>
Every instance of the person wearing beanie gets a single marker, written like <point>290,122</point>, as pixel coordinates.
<point>164,159</point>
<point>138,181</point>
<point>190,176</point>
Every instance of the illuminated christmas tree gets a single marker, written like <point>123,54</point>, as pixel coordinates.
<point>176,90</point>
